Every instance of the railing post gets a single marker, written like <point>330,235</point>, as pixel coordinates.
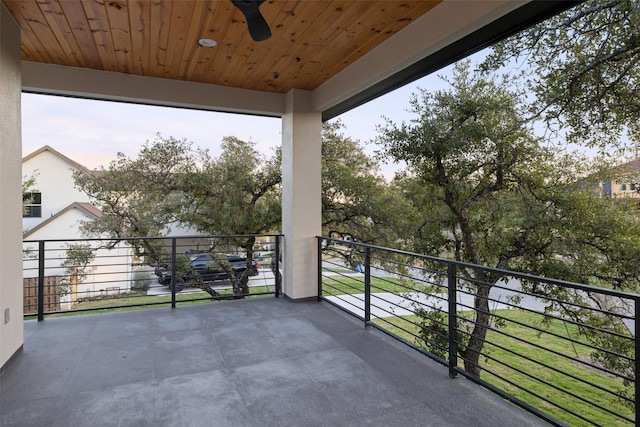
<point>453,320</point>
<point>173,272</point>
<point>319,268</point>
<point>636,358</point>
<point>40,280</point>
<point>367,285</point>
<point>277,268</point>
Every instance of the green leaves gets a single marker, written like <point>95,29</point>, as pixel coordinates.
<point>356,199</point>
<point>236,193</point>
<point>76,262</point>
<point>582,66</point>
<point>468,149</point>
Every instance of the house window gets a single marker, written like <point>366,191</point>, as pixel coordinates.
<point>623,187</point>
<point>32,205</point>
<point>632,187</point>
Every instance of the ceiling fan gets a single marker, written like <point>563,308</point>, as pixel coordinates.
<point>258,27</point>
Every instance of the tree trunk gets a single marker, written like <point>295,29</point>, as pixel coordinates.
<point>206,287</point>
<point>244,280</point>
<point>473,350</point>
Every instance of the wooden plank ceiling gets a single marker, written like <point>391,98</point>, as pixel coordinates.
<point>312,40</point>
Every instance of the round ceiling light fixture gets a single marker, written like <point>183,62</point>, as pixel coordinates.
<point>207,42</point>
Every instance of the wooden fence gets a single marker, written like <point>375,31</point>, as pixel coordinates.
<point>51,297</point>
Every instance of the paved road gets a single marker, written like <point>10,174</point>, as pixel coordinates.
<point>264,278</point>
<point>386,304</point>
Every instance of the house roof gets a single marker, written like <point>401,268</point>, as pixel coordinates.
<point>86,208</point>
<point>630,167</point>
<point>627,169</point>
<point>51,150</point>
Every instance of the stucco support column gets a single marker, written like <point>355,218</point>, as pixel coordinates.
<point>301,197</point>
<point>11,329</point>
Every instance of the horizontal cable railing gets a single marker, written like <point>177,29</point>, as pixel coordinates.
<point>80,275</point>
<point>563,351</point>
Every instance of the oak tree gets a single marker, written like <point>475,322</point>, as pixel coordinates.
<point>491,193</point>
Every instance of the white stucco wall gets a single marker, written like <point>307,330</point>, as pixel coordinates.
<point>11,323</point>
<point>54,181</point>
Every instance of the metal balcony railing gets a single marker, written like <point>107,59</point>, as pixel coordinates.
<point>65,276</point>
<point>563,351</point>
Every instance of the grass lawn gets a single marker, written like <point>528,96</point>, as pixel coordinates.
<point>540,347</point>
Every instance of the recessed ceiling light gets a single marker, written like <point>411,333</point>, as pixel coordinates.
<point>207,42</point>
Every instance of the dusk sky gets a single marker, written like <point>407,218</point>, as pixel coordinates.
<point>93,132</point>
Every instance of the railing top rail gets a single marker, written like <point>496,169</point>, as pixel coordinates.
<point>123,239</point>
<point>514,274</point>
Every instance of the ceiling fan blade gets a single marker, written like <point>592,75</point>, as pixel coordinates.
<point>258,27</point>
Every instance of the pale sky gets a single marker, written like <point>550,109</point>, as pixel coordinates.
<point>93,132</point>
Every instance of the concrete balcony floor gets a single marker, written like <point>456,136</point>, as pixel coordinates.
<point>259,362</point>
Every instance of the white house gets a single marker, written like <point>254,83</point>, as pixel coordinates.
<point>54,189</point>
<point>54,210</point>
<point>625,181</point>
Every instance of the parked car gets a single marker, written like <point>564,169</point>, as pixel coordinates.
<point>206,267</point>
